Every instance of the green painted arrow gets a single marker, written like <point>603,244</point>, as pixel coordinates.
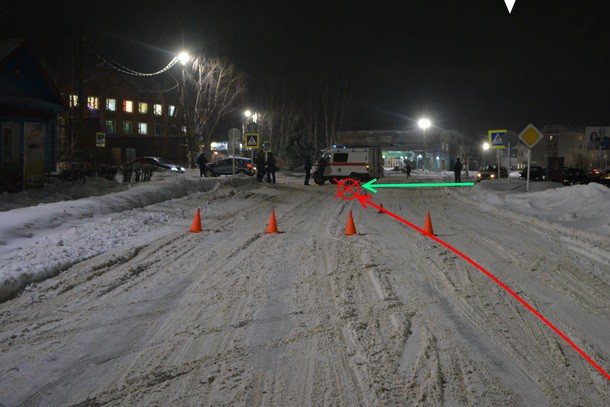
<point>369,185</point>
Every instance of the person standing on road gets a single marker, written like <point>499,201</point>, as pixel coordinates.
<point>201,162</point>
<point>260,166</point>
<point>270,167</point>
<point>408,170</point>
<point>307,170</point>
<point>457,170</point>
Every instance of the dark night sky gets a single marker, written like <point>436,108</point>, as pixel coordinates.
<point>452,60</point>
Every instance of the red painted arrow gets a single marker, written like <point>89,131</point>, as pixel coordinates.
<point>365,200</point>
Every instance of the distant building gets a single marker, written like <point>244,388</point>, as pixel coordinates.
<point>29,109</point>
<point>126,116</point>
<point>442,146</point>
<point>569,142</point>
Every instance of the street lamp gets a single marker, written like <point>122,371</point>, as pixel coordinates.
<point>424,124</point>
<point>184,58</point>
<point>485,148</point>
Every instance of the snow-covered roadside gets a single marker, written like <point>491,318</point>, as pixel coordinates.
<point>39,241</point>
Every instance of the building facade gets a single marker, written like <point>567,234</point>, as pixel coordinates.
<point>125,117</point>
<point>29,109</point>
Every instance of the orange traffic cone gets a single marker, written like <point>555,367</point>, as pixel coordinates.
<point>196,226</point>
<point>272,228</point>
<point>428,225</point>
<point>351,228</point>
<point>380,206</point>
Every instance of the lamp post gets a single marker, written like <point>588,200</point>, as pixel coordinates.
<point>184,58</point>
<point>424,124</point>
<point>485,148</point>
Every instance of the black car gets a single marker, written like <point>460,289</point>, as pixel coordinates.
<point>160,163</point>
<point>601,178</point>
<point>536,173</point>
<point>243,165</point>
<point>572,176</point>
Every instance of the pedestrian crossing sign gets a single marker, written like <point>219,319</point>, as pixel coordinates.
<point>266,146</point>
<point>252,140</point>
<point>495,138</point>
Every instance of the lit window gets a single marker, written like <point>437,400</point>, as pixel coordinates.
<point>111,105</point>
<point>142,128</point>
<point>171,110</point>
<point>92,102</point>
<point>127,127</point>
<point>157,109</point>
<point>128,106</point>
<point>184,129</point>
<point>142,108</point>
<point>73,100</point>
<point>110,126</point>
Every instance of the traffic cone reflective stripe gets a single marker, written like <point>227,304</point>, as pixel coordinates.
<point>428,225</point>
<point>196,226</point>
<point>272,228</point>
<point>351,228</point>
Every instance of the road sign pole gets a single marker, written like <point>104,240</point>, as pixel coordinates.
<point>529,160</point>
<point>509,165</point>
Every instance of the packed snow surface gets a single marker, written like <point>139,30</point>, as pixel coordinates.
<point>108,299</point>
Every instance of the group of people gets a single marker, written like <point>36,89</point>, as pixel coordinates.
<point>266,166</point>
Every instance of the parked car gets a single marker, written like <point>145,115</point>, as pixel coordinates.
<point>243,165</point>
<point>160,163</point>
<point>573,176</point>
<point>602,177</point>
<point>536,173</point>
<point>491,172</point>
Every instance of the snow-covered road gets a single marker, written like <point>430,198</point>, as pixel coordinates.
<point>233,316</point>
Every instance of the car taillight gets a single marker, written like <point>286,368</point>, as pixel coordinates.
<point>249,165</point>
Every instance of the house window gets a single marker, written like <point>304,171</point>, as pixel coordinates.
<point>73,100</point>
<point>158,129</point>
<point>142,108</point>
<point>111,105</point>
<point>128,106</point>
<point>10,143</point>
<point>171,110</point>
<point>93,102</point>
<point>157,109</point>
<point>127,127</point>
<point>142,128</point>
<point>110,126</point>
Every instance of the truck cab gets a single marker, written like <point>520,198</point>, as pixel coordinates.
<point>360,163</point>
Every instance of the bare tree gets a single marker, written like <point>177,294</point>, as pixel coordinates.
<point>216,89</point>
<point>334,98</point>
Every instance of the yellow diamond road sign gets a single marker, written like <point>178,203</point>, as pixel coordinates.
<point>530,136</point>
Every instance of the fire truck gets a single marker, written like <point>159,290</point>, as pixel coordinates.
<point>360,163</point>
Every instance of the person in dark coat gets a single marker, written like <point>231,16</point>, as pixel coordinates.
<point>307,170</point>
<point>260,166</point>
<point>201,162</point>
<point>408,170</point>
<point>457,170</point>
<point>270,168</point>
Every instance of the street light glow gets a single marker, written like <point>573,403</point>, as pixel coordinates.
<point>424,123</point>
<point>485,146</point>
<point>247,113</point>
<point>184,57</point>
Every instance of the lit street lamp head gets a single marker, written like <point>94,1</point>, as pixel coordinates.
<point>247,113</point>
<point>184,57</point>
<point>424,123</point>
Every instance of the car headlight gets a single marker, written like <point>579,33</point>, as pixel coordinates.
<point>492,176</point>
